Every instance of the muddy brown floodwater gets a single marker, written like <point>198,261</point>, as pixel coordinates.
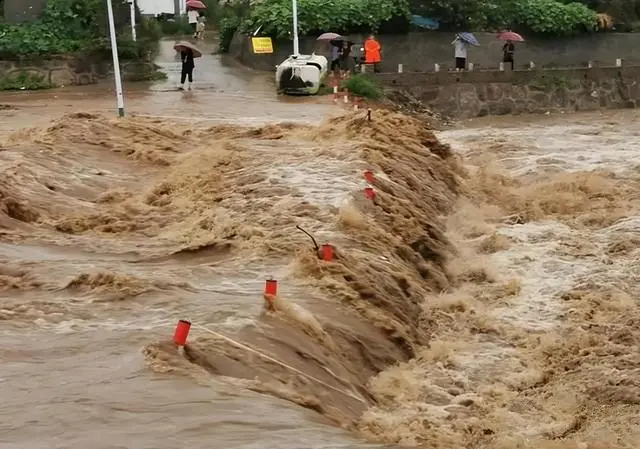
<point>487,298</point>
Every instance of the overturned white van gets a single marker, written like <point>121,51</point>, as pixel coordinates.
<point>301,74</point>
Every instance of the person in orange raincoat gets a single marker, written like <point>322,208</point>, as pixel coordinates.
<point>372,52</point>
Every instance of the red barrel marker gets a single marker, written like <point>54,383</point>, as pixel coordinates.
<point>327,252</point>
<point>369,193</point>
<point>181,333</point>
<point>271,287</point>
<point>368,175</point>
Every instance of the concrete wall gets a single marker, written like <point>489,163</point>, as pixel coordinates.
<point>473,94</point>
<point>419,52</point>
<point>68,71</point>
<point>17,11</point>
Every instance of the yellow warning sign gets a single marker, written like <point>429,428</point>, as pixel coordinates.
<point>262,45</point>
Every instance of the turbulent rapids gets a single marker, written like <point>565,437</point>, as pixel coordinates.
<point>471,304</point>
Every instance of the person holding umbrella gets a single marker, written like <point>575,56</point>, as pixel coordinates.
<point>460,52</point>
<point>461,44</point>
<point>188,64</point>
<point>507,53</point>
<point>188,53</point>
<point>336,43</point>
<point>193,14</point>
<point>509,48</point>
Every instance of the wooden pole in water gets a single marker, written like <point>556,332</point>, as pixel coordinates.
<point>116,62</point>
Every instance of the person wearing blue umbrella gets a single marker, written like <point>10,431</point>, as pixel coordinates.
<point>461,47</point>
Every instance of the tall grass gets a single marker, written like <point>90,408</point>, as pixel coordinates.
<point>363,85</point>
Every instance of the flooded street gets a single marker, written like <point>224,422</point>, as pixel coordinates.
<point>223,91</point>
<point>73,372</point>
<point>525,335</point>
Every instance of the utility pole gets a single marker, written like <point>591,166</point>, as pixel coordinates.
<point>116,62</point>
<point>176,8</point>
<point>132,6</point>
<point>296,45</point>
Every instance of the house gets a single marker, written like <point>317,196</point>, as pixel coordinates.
<point>155,7</point>
<point>18,11</point>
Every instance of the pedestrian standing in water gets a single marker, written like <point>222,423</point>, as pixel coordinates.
<point>507,53</point>
<point>188,64</point>
<point>460,53</point>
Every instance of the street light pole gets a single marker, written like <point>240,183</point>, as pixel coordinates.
<point>296,44</point>
<point>132,5</point>
<point>116,62</point>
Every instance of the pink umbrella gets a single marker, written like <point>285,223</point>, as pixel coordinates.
<point>184,46</point>
<point>329,37</point>
<point>510,36</point>
<point>196,4</point>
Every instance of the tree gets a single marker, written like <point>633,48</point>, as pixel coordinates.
<point>625,13</point>
<point>67,26</point>
<point>551,17</point>
<point>318,16</point>
<point>455,14</point>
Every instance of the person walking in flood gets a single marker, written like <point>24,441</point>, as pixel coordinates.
<point>507,53</point>
<point>460,53</point>
<point>200,28</point>
<point>188,64</point>
<point>193,15</point>
<point>372,55</point>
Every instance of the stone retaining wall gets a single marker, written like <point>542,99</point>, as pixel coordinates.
<point>479,93</point>
<point>71,70</point>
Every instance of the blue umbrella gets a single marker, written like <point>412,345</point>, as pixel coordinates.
<point>469,39</point>
<point>425,22</point>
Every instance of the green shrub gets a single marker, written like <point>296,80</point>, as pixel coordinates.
<point>363,85</point>
<point>318,16</point>
<point>69,26</point>
<point>228,27</point>
<point>149,28</point>
<point>127,49</point>
<point>176,27</point>
<point>551,17</point>
<point>24,81</point>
